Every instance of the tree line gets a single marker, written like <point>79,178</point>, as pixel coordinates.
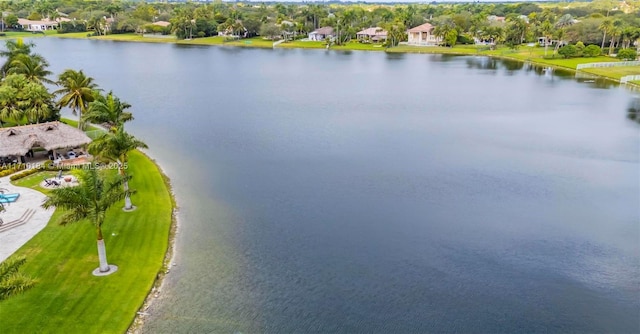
<point>607,23</point>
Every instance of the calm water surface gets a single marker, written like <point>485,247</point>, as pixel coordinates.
<point>364,192</point>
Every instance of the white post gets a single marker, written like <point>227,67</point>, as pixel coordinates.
<point>102,256</point>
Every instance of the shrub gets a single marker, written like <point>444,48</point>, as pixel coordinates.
<point>627,54</point>
<point>568,51</point>
<point>464,39</point>
<point>23,174</point>
<point>591,51</point>
<point>72,26</point>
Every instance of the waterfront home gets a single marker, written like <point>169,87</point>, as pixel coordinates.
<point>161,23</point>
<point>41,25</point>
<point>495,18</point>
<point>375,35</point>
<point>423,35</point>
<point>321,34</point>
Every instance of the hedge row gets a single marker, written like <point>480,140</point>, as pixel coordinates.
<point>23,174</point>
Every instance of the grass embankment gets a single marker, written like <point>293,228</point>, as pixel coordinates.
<point>67,297</point>
<point>28,34</point>
<point>614,72</point>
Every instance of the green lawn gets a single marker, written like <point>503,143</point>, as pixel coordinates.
<point>27,34</point>
<point>255,42</point>
<point>72,35</point>
<point>67,297</point>
<point>353,45</point>
<point>614,72</point>
<point>462,49</point>
<point>303,45</point>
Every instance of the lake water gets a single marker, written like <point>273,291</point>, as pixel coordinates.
<point>359,192</point>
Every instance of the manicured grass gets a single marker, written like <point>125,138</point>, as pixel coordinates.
<point>67,297</point>
<point>26,34</point>
<point>614,72</point>
<point>215,40</point>
<point>255,42</point>
<point>359,46</point>
<point>462,49</point>
<point>303,45</point>
<point>72,35</point>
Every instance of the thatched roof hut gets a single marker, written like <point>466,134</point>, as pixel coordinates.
<point>18,140</point>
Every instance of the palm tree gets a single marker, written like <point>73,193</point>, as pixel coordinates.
<point>12,282</point>
<point>547,32</point>
<point>89,200</point>
<point>116,147</point>
<point>34,67</point>
<point>14,48</point>
<point>78,91</point>
<point>108,109</point>
<point>606,26</point>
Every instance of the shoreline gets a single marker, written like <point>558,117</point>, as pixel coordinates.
<point>169,257</point>
<point>469,51</point>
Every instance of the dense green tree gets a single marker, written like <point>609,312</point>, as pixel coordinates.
<point>21,99</point>
<point>396,33</point>
<point>568,51</point>
<point>270,31</point>
<point>627,54</point>
<point>592,51</point>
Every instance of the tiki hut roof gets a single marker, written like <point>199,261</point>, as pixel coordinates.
<point>18,140</point>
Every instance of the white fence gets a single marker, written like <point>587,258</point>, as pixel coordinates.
<point>608,64</point>
<point>628,78</point>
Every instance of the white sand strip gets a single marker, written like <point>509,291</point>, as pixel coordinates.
<point>11,240</point>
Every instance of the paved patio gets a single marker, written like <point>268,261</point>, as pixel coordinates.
<point>13,239</point>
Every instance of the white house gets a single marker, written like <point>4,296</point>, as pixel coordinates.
<point>423,35</point>
<point>42,25</point>
<point>321,34</point>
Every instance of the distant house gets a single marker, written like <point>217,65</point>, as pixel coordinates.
<point>321,34</point>
<point>374,35</point>
<point>161,23</point>
<point>494,18</point>
<point>42,25</point>
<point>423,35</point>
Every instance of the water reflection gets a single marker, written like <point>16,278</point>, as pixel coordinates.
<point>633,111</point>
<point>482,63</point>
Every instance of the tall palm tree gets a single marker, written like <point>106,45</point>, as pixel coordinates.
<point>13,49</point>
<point>89,200</point>
<point>606,26</point>
<point>108,109</point>
<point>116,147</point>
<point>12,282</point>
<point>77,92</point>
<point>34,67</point>
<point>547,31</point>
